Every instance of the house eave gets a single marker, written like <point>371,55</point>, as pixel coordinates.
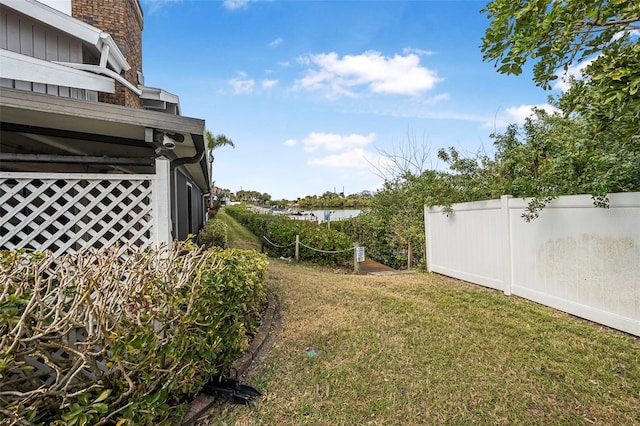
<point>66,114</point>
<point>157,95</point>
<point>16,66</point>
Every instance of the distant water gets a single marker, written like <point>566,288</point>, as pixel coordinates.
<point>319,215</point>
<point>336,214</point>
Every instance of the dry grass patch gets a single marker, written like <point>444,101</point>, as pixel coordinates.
<point>421,348</point>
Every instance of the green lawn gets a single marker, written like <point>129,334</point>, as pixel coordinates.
<point>238,235</point>
<point>426,349</point>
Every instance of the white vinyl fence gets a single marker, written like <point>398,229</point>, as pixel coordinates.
<point>574,257</point>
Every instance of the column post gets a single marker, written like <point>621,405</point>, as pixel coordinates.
<point>506,244</point>
<point>161,190</point>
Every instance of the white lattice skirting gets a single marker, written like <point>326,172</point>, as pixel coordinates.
<point>67,213</point>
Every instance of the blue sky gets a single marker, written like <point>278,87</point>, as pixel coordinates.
<point>313,92</point>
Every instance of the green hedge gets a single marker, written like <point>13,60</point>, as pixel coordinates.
<point>152,326</point>
<point>278,234</point>
<point>371,232</point>
<point>214,234</point>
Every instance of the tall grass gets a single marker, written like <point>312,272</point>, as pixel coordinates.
<point>426,349</point>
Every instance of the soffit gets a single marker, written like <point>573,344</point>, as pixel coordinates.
<point>28,109</point>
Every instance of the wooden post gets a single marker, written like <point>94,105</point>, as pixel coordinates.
<point>409,256</point>
<point>297,248</point>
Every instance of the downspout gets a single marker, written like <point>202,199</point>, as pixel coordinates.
<point>199,155</point>
<point>198,143</point>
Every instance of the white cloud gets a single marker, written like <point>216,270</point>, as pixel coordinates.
<point>516,115</point>
<point>343,151</point>
<point>236,4</point>
<point>351,74</point>
<point>437,98</point>
<point>419,52</point>
<point>240,86</point>
<point>352,159</point>
<point>269,83</point>
<point>334,142</point>
<point>631,33</point>
<point>276,42</point>
<point>284,64</point>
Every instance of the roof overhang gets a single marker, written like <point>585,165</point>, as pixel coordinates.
<point>16,66</point>
<point>115,126</point>
<point>155,93</point>
<point>159,98</point>
<point>72,26</point>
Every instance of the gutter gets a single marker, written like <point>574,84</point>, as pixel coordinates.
<point>151,136</point>
<point>188,160</point>
<point>97,69</point>
<point>198,157</point>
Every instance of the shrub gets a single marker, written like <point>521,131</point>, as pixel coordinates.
<point>370,231</point>
<point>328,247</point>
<point>214,234</point>
<point>102,337</point>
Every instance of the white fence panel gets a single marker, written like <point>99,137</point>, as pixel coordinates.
<point>581,259</point>
<point>464,244</point>
<point>574,257</point>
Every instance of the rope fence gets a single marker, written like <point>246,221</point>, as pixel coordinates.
<point>276,245</point>
<point>358,251</point>
<point>327,251</point>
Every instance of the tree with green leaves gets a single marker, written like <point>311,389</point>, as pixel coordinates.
<point>246,196</point>
<point>602,36</point>
<point>553,155</point>
<point>559,34</point>
<point>594,147</point>
<point>609,95</point>
<point>213,143</point>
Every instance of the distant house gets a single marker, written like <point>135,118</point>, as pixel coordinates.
<point>220,196</point>
<point>89,155</point>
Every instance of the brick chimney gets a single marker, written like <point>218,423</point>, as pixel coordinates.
<point>123,20</point>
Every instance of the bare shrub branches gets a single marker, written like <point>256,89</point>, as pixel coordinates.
<point>73,326</point>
